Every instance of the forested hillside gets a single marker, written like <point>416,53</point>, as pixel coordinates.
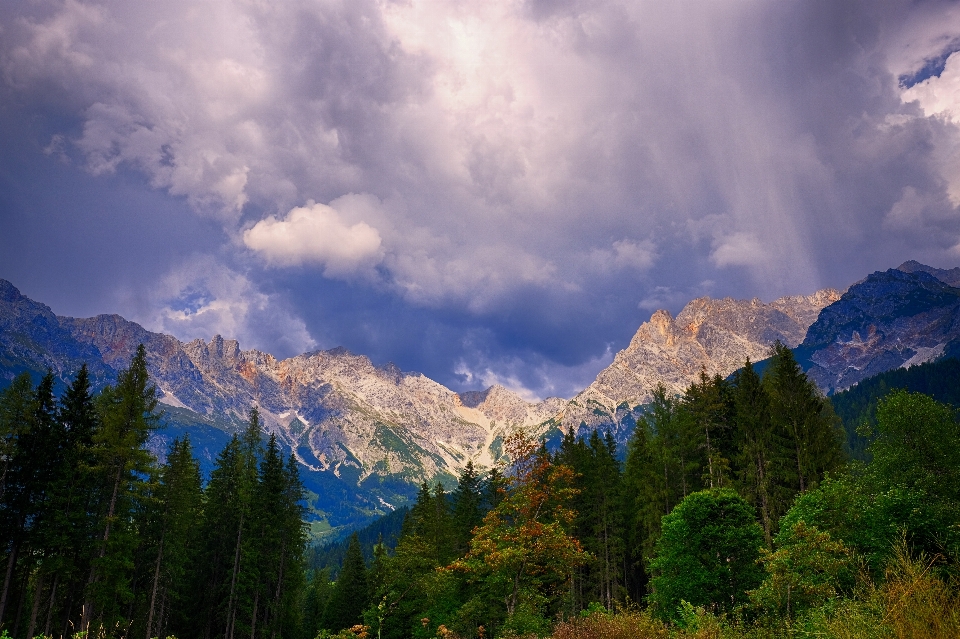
<point>858,405</point>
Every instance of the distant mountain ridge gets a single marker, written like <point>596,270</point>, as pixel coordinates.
<point>366,435</point>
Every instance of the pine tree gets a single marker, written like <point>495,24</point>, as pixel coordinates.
<point>757,447</point>
<point>74,538</point>
<point>467,508</point>
<point>805,421</point>
<point>350,593</point>
<point>42,448</point>
<point>128,415</point>
<point>180,501</point>
<point>277,543</point>
<point>16,416</point>
<point>229,576</point>
<point>219,529</point>
<point>708,403</point>
<point>29,484</point>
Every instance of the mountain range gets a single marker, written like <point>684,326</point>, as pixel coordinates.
<point>367,435</point>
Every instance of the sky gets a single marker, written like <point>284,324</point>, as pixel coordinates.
<point>484,192</point>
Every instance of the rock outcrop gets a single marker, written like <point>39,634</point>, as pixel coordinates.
<point>711,335</point>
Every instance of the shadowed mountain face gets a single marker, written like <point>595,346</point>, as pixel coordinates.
<point>947,276</point>
<point>889,319</point>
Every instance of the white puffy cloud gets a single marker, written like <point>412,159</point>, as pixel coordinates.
<point>939,95</point>
<point>315,234</point>
<point>739,249</point>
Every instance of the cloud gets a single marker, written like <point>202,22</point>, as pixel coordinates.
<point>738,249</point>
<point>315,234</point>
<point>939,95</point>
<point>530,169</point>
<point>201,298</point>
<point>532,377</point>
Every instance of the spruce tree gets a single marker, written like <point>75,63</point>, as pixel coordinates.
<point>73,530</point>
<point>16,416</point>
<point>467,508</point>
<point>708,403</point>
<point>128,415</point>
<point>219,530</point>
<point>350,593</point>
<point>757,447</point>
<point>805,421</point>
<point>180,505</point>
<point>229,576</point>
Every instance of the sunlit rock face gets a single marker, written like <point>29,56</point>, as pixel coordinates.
<point>336,410</point>
<point>890,319</point>
<point>715,336</point>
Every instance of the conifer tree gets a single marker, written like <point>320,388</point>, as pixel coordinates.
<point>467,508</point>
<point>16,416</point>
<point>128,415</point>
<point>180,505</point>
<point>708,405</point>
<point>28,489</point>
<point>72,537</point>
<point>757,447</point>
<point>350,593</point>
<point>226,582</point>
<point>805,422</point>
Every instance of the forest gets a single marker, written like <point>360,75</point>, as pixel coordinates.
<point>736,511</point>
<point>99,539</point>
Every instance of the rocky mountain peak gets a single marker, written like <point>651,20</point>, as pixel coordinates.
<point>8,292</point>
<point>714,335</point>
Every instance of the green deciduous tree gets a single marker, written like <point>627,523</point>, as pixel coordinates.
<point>707,554</point>
<point>808,568</point>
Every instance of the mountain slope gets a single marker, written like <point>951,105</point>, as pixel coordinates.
<point>712,335</point>
<point>888,320</point>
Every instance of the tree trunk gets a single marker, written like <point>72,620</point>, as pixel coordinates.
<point>11,562</point>
<point>87,613</point>
<point>253,618</point>
<point>764,501</point>
<point>23,590</point>
<point>233,582</point>
<point>53,601</point>
<point>36,604</point>
<point>153,593</point>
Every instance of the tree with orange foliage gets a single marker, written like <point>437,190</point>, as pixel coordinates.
<point>522,554</point>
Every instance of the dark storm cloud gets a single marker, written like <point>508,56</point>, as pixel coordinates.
<point>496,191</point>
